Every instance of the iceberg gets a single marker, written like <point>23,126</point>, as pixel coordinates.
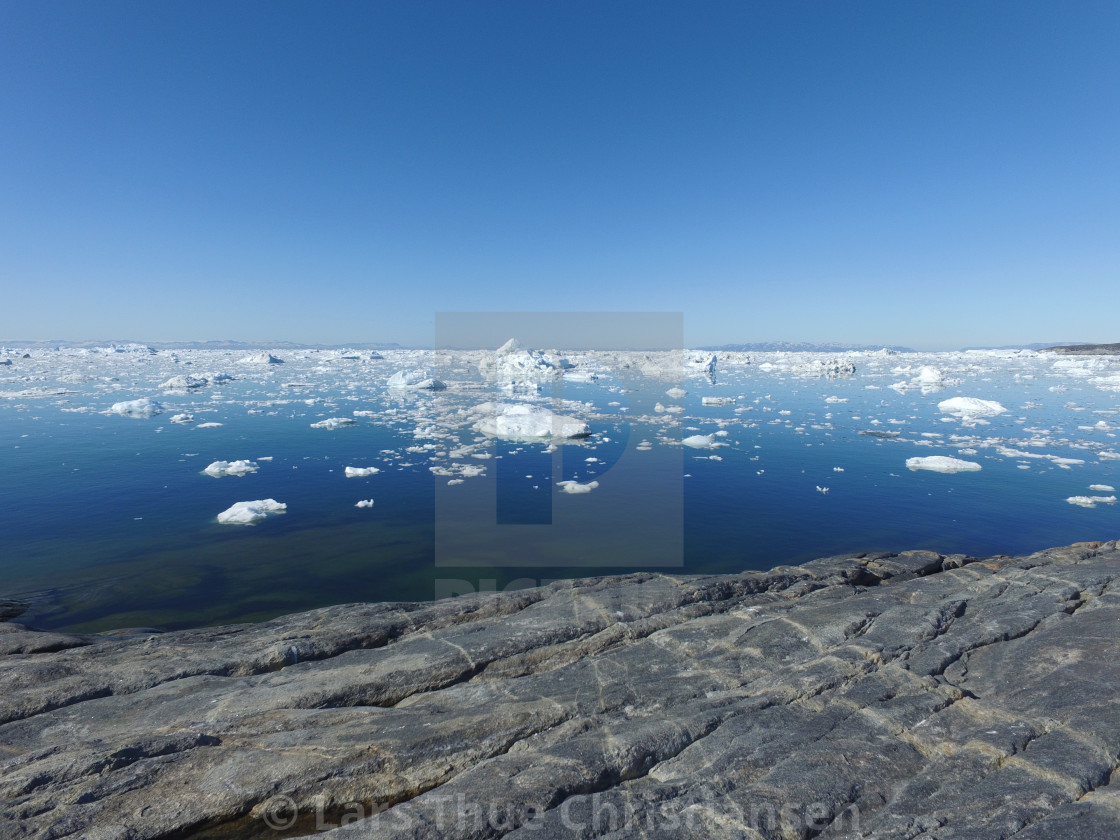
<point>703,362</point>
<point>514,363</point>
<point>830,368</point>
<point>717,400</point>
<point>518,421</point>
<point>238,468</point>
<point>261,358</point>
<point>364,503</point>
<point>969,408</point>
<point>417,380</point>
<point>249,513</point>
<point>184,383</point>
<point>361,472</point>
<point>143,407</point>
<point>185,417</point>
<point>941,464</point>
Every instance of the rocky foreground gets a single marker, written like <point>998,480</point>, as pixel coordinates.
<point>876,696</point>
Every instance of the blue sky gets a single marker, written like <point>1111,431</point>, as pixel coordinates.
<point>934,174</point>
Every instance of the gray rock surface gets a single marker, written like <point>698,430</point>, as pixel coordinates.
<point>878,696</point>
<point>1086,350</point>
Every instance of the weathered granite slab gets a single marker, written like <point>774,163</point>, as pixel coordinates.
<point>877,696</point>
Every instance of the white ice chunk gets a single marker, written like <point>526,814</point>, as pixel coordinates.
<point>238,468</point>
<point>184,383</point>
<point>700,441</point>
<point>968,408</point>
<point>676,393</point>
<point>210,425</point>
<point>261,358</point>
<point>360,472</point>
<point>717,400</point>
<point>575,487</point>
<point>519,421</point>
<point>248,513</point>
<point>1091,501</point>
<point>185,417</point>
<point>942,464</point>
<point>415,380</point>
<point>365,503</point>
<point>1102,488</point>
<point>333,423</point>
<point>143,407</point>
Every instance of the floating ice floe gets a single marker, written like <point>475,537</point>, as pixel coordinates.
<point>360,472</point>
<point>364,503</point>
<point>702,442</point>
<point>1091,501</point>
<point>701,362</point>
<point>941,464</point>
<point>831,368</point>
<point>519,421</point>
<point>334,423</point>
<point>185,417</point>
<point>574,487</point>
<point>261,358</point>
<point>210,425</point>
<point>249,513</point>
<point>969,409</point>
<point>184,383</point>
<point>676,393</point>
<point>1101,488</point>
<point>717,400</point>
<point>143,407</point>
<point>223,468</point>
<point>414,380</point>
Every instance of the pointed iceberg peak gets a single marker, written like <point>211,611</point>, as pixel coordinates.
<point>511,346</point>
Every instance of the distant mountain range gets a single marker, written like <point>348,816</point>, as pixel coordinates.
<point>801,347</point>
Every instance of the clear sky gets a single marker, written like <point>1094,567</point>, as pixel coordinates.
<point>933,174</point>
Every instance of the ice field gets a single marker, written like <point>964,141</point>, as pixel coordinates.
<point>174,488</point>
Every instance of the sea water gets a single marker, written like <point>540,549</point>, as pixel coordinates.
<point>108,521</point>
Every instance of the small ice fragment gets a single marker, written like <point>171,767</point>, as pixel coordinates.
<point>676,393</point>
<point>1102,488</point>
<point>359,472</point>
<point>210,425</point>
<point>185,417</point>
<point>365,503</point>
<point>249,513</point>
